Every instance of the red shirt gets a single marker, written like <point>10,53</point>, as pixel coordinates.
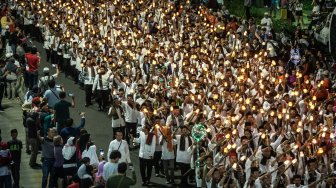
<point>32,62</point>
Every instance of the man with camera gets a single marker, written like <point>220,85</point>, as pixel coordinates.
<point>62,112</point>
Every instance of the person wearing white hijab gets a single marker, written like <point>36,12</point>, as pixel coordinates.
<point>69,151</point>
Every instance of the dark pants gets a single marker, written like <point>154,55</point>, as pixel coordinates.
<point>59,60</point>
<point>2,91</point>
<point>168,166</point>
<point>75,74</point>
<point>48,52</point>
<point>34,150</point>
<point>6,181</point>
<point>88,93</point>
<point>48,171</point>
<point>157,162</point>
<point>146,166</point>
<point>131,130</point>
<point>32,79</point>
<point>66,66</point>
<point>248,12</point>
<point>185,167</point>
<point>53,56</point>
<point>121,129</point>
<point>102,98</point>
<point>15,168</point>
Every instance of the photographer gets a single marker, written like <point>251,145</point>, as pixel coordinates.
<point>62,112</point>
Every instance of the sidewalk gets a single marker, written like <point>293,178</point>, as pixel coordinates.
<point>12,118</point>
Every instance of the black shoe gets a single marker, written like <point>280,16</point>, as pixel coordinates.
<point>144,183</point>
<point>2,109</point>
<point>28,152</point>
<point>36,166</point>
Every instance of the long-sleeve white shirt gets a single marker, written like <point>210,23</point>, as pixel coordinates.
<point>146,151</point>
<point>183,156</point>
<point>122,147</point>
<point>105,82</point>
<point>131,114</point>
<point>166,154</point>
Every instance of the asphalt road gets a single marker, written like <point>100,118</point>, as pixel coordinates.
<point>97,123</point>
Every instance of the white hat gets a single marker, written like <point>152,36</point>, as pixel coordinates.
<point>45,70</point>
<point>9,54</point>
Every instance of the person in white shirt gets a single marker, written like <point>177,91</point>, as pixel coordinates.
<point>131,118</point>
<point>120,145</point>
<point>116,114</point>
<point>168,154</point>
<point>147,142</point>
<point>90,75</point>
<point>183,157</point>
<point>266,22</point>
<point>101,87</point>
<point>111,167</point>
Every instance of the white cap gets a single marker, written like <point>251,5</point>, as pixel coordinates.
<point>8,55</point>
<point>45,70</point>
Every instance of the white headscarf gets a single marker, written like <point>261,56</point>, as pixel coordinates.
<point>69,149</point>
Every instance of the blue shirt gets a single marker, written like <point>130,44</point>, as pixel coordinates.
<point>52,95</point>
<point>68,132</point>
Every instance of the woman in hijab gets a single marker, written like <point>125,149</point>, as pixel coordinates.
<point>88,177</point>
<point>69,163</point>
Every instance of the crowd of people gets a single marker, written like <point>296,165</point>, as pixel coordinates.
<point>159,69</point>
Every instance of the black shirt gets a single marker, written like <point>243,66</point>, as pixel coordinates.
<point>15,147</point>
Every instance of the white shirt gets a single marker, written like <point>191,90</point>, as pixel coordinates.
<point>105,82</point>
<point>122,147</point>
<point>183,156</point>
<point>90,75</point>
<point>110,169</point>
<point>166,154</point>
<point>146,151</point>
<point>131,115</point>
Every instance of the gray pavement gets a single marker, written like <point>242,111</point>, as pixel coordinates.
<point>97,123</point>
<point>10,119</point>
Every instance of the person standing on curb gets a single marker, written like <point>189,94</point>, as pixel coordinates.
<point>15,147</point>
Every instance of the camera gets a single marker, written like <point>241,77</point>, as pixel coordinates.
<point>101,152</point>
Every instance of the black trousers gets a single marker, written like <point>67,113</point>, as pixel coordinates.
<point>157,162</point>
<point>146,166</point>
<point>15,168</point>
<point>2,91</point>
<point>131,130</point>
<point>102,98</point>
<point>66,66</point>
<point>248,12</point>
<point>88,93</point>
<point>59,62</point>
<point>185,167</point>
<point>53,57</point>
<point>75,74</point>
<point>48,52</point>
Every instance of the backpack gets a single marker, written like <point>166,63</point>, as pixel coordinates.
<point>34,115</point>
